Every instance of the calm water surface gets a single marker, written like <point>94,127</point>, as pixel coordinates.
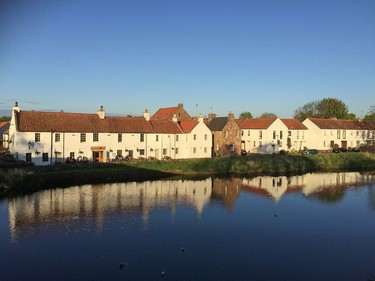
<point>309,227</point>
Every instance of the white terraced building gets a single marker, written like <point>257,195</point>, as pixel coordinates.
<point>45,138</point>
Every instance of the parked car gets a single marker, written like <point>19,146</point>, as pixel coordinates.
<point>243,152</point>
<point>355,149</point>
<point>310,152</point>
<point>339,150</point>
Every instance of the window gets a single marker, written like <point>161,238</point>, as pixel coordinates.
<point>141,152</point>
<point>142,138</point>
<point>289,133</point>
<point>226,134</point>
<point>37,137</point>
<point>281,135</point>
<point>57,137</point>
<point>260,134</point>
<point>71,155</point>
<point>176,137</point>
<point>248,133</point>
<point>303,134</point>
<point>119,138</point>
<point>95,137</point>
<point>205,150</point>
<point>205,137</point>
<point>28,157</point>
<point>242,133</point>
<point>325,132</point>
<point>176,150</point>
<point>260,144</point>
<point>45,157</point>
<point>297,135</point>
<point>164,151</point>
<point>274,134</point>
<point>83,137</point>
<point>344,134</point>
<point>194,150</point>
<point>338,134</point>
<point>231,147</point>
<point>255,144</point>
<point>157,137</point>
<point>119,152</point>
<point>194,137</point>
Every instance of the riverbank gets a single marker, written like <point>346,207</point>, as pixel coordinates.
<point>18,180</point>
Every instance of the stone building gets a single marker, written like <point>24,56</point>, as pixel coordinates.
<point>226,135</point>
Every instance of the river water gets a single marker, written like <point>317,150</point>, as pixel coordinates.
<point>307,227</point>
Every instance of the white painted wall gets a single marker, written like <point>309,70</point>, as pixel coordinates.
<point>266,142</point>
<point>321,138</point>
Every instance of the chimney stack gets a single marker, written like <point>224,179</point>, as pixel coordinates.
<point>101,112</point>
<point>146,115</point>
<point>230,116</point>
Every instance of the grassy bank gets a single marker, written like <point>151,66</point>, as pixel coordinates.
<point>21,180</point>
<point>267,164</point>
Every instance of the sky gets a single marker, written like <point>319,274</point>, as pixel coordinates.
<point>213,56</point>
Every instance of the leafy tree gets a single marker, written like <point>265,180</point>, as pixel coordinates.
<point>310,109</point>
<point>268,115</point>
<point>246,114</point>
<point>370,114</point>
<point>5,118</point>
<point>325,108</point>
<point>333,108</point>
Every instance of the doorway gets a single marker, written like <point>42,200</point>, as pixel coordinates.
<point>97,156</point>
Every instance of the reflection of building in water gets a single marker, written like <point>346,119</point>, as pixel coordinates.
<point>276,187</point>
<point>226,190</point>
<point>99,200</point>
<point>273,187</point>
<point>317,182</point>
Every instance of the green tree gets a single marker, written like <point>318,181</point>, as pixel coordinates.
<point>310,109</point>
<point>325,108</point>
<point>370,116</point>
<point>5,118</point>
<point>268,115</point>
<point>246,114</point>
<point>333,108</point>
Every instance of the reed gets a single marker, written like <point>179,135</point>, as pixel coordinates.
<point>12,178</point>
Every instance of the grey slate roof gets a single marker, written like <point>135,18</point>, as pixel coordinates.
<point>217,124</point>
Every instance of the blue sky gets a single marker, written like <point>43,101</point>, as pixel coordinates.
<point>129,55</point>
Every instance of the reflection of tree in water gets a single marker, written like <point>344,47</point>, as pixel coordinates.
<point>330,194</point>
<point>226,191</point>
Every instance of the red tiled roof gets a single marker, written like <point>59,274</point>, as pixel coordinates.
<point>166,127</point>
<point>255,123</point>
<point>33,121</point>
<point>336,124</point>
<point>164,113</point>
<point>293,124</point>
<point>188,125</point>
<point>2,124</point>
